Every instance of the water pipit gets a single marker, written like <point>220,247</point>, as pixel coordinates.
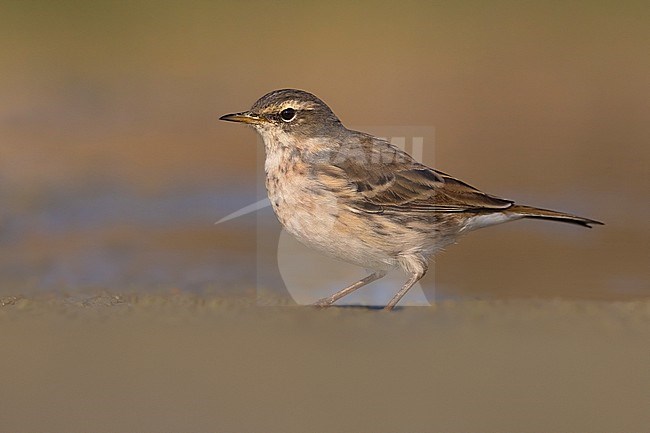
<point>362,200</point>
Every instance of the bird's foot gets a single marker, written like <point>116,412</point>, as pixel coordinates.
<point>324,303</point>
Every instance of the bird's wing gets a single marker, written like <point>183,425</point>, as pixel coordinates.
<point>388,179</point>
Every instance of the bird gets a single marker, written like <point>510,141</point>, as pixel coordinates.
<point>360,199</point>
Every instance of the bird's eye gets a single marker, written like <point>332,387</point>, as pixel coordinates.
<point>288,114</point>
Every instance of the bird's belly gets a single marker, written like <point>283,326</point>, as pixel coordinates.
<point>319,221</point>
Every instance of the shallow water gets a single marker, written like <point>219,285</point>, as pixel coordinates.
<point>122,240</point>
<point>114,238</point>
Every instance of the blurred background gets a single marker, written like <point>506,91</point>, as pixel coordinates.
<point>114,168</point>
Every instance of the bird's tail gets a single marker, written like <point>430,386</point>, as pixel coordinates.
<point>533,212</point>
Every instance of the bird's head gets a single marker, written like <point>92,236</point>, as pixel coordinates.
<point>289,112</point>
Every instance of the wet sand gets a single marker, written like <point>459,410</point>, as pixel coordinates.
<point>177,362</point>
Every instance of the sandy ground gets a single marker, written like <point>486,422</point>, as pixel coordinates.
<point>181,363</point>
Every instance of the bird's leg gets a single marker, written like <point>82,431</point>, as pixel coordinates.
<point>417,275</point>
<point>329,300</point>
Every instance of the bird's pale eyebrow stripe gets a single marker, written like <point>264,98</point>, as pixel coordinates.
<point>296,105</point>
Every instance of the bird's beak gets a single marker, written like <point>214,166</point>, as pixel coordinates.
<point>244,117</point>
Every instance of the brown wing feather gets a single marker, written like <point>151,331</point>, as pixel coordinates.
<point>385,178</point>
